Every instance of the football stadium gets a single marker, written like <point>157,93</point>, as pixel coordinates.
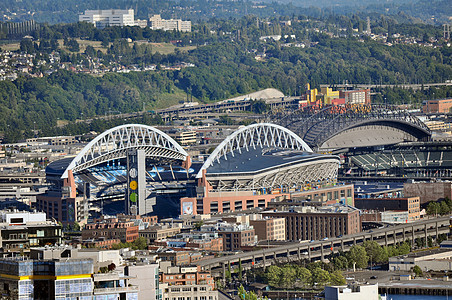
<point>258,162</point>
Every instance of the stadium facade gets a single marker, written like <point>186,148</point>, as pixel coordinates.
<point>257,164</point>
<point>107,170</point>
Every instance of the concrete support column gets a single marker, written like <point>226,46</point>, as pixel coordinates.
<point>274,256</point>
<point>263,258</point>
<point>425,235</point>
<point>386,238</point>
<point>395,237</point>
<point>342,244</point>
<point>332,247</point>
<point>288,255</point>
<point>253,262</point>
<point>299,253</point>
<point>412,236</point>
<point>354,241</point>
<point>404,237</point>
<point>437,230</point>
<point>321,252</point>
<point>224,271</point>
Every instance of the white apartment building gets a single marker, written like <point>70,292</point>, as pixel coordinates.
<point>156,22</point>
<point>109,17</point>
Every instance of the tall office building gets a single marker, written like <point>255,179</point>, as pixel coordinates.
<point>109,17</point>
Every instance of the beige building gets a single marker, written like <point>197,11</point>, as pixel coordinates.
<point>270,229</point>
<point>184,137</point>
<point>53,140</point>
<point>153,233</point>
<point>437,260</point>
<point>188,292</point>
<point>156,22</point>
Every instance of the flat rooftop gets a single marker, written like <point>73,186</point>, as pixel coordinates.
<point>425,253</point>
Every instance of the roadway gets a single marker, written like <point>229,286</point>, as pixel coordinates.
<point>318,250</point>
<point>402,85</point>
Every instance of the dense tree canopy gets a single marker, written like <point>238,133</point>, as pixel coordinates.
<point>224,66</point>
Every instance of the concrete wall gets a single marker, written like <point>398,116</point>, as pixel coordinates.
<point>101,258</point>
<point>428,191</point>
<point>147,279</point>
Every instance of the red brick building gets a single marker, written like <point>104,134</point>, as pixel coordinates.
<point>355,96</point>
<point>63,204</point>
<point>187,276</point>
<point>270,229</point>
<point>111,229</point>
<point>100,244</point>
<point>234,236</point>
<point>180,258</point>
<point>437,106</point>
<point>310,223</point>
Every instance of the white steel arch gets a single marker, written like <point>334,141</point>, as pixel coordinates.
<point>260,134</point>
<point>115,142</point>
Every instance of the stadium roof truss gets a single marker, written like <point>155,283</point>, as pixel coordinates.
<point>266,135</point>
<point>251,136</point>
<point>316,125</point>
<point>115,142</point>
<point>286,177</point>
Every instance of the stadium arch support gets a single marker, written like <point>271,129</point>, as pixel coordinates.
<point>260,134</point>
<point>353,125</point>
<point>115,142</point>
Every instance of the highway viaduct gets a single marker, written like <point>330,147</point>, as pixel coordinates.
<point>319,250</point>
<point>415,87</point>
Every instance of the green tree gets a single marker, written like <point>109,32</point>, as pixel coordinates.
<point>273,275</point>
<point>76,226</point>
<point>357,255</point>
<point>140,243</point>
<point>199,224</point>
<point>404,248</point>
<point>340,262</point>
<point>288,276</point>
<point>244,295</point>
<point>375,251</point>
<point>419,242</point>
<point>336,278</point>
<point>304,275</point>
<point>259,106</point>
<point>444,208</point>
<point>240,270</point>
<point>228,274</point>
<point>320,277</point>
<point>417,270</point>
<point>433,208</point>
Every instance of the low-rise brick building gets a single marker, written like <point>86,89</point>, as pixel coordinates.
<point>187,276</point>
<point>315,223</point>
<point>234,236</point>
<point>158,232</point>
<point>111,228</point>
<point>270,229</point>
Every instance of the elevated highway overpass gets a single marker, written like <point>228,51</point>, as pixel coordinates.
<point>319,250</point>
<point>415,87</point>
